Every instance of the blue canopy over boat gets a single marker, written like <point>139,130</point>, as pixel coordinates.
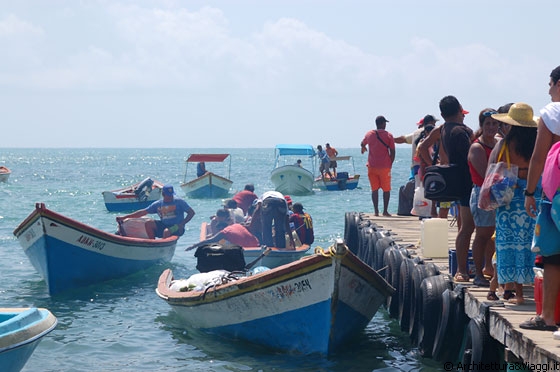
<point>290,149</point>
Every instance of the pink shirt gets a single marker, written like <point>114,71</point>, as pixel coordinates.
<point>239,235</point>
<point>378,154</point>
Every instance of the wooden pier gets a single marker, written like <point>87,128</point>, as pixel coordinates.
<point>536,348</point>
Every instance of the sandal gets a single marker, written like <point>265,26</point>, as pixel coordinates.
<point>508,294</point>
<point>537,324</point>
<point>461,278</point>
<point>481,282</point>
<point>491,296</point>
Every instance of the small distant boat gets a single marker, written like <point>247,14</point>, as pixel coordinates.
<point>134,197</point>
<point>209,185</point>
<point>21,330</point>
<point>4,173</point>
<point>288,177</point>
<point>69,254</point>
<point>275,256</point>
<point>312,305</point>
<point>343,181</point>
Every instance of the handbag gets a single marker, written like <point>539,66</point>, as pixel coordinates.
<point>499,181</point>
<point>444,183</point>
<point>546,238</point>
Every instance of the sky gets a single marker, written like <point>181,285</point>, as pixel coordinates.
<point>253,74</point>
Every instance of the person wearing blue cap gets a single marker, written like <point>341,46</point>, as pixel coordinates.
<point>171,211</point>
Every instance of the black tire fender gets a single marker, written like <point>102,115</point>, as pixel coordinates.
<point>395,259</point>
<point>429,303</point>
<point>480,347</point>
<point>405,292</point>
<point>452,326</point>
<point>419,273</point>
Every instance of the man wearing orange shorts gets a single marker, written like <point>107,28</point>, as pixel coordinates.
<point>381,155</point>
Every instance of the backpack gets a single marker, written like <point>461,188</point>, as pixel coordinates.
<point>551,172</point>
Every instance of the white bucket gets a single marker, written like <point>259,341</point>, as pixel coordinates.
<point>434,238</point>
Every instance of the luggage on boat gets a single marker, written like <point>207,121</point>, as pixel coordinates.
<point>217,257</point>
<point>406,199</point>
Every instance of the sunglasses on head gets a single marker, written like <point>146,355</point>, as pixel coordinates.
<point>489,113</point>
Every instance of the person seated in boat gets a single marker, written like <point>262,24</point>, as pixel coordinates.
<point>235,234</point>
<point>236,213</point>
<point>201,169</point>
<point>222,215</point>
<point>245,197</point>
<point>298,163</point>
<point>174,214</point>
<point>302,224</point>
<point>324,161</point>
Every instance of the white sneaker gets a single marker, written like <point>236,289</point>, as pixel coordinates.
<point>556,335</point>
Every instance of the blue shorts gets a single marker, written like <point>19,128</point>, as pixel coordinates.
<point>481,217</point>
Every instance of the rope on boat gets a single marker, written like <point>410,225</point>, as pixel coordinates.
<point>338,249</point>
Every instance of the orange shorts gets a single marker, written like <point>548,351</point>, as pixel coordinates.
<point>379,178</point>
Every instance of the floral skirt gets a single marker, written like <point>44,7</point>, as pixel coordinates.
<point>514,235</point>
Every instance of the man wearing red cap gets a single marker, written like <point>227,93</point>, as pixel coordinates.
<point>381,155</point>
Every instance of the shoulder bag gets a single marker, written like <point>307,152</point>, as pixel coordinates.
<point>497,189</point>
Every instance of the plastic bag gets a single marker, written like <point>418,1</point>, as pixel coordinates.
<point>497,189</point>
<point>421,206</point>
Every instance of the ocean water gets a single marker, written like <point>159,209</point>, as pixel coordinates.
<point>122,325</point>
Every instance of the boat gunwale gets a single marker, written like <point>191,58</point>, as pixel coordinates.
<point>41,212</point>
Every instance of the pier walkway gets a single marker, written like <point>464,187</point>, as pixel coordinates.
<point>532,347</point>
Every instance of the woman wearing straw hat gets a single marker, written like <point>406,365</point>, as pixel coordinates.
<point>514,226</point>
<point>548,134</point>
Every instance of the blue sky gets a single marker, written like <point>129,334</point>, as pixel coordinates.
<point>188,74</point>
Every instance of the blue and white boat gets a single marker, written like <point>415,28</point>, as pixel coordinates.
<point>69,254</point>
<point>288,177</point>
<point>208,185</point>
<point>134,197</point>
<point>344,180</point>
<point>313,305</point>
<point>21,330</point>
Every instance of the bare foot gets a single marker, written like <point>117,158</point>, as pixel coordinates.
<point>376,214</point>
<point>386,214</point>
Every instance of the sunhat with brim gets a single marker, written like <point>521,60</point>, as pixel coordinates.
<point>519,114</point>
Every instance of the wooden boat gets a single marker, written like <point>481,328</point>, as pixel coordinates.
<point>21,330</point>
<point>274,258</point>
<point>346,180</point>
<point>69,254</point>
<point>313,305</point>
<point>134,197</point>
<point>209,185</point>
<point>287,176</point>
<point>4,173</point>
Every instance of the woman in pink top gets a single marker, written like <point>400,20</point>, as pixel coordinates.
<point>484,221</point>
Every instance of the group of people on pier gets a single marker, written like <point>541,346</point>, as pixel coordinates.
<point>503,236</point>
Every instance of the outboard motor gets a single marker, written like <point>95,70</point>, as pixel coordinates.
<point>144,188</point>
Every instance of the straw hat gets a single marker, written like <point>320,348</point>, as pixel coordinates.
<point>519,114</point>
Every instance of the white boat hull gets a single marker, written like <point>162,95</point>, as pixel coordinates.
<point>292,180</point>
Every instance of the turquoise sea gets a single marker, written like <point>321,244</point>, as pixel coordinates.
<point>122,325</point>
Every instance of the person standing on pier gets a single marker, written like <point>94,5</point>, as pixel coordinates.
<point>484,221</point>
<point>381,156</point>
<point>455,140</point>
<point>548,133</point>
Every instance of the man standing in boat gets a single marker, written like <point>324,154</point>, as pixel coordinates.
<point>171,211</point>
<point>380,161</point>
<point>274,211</point>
